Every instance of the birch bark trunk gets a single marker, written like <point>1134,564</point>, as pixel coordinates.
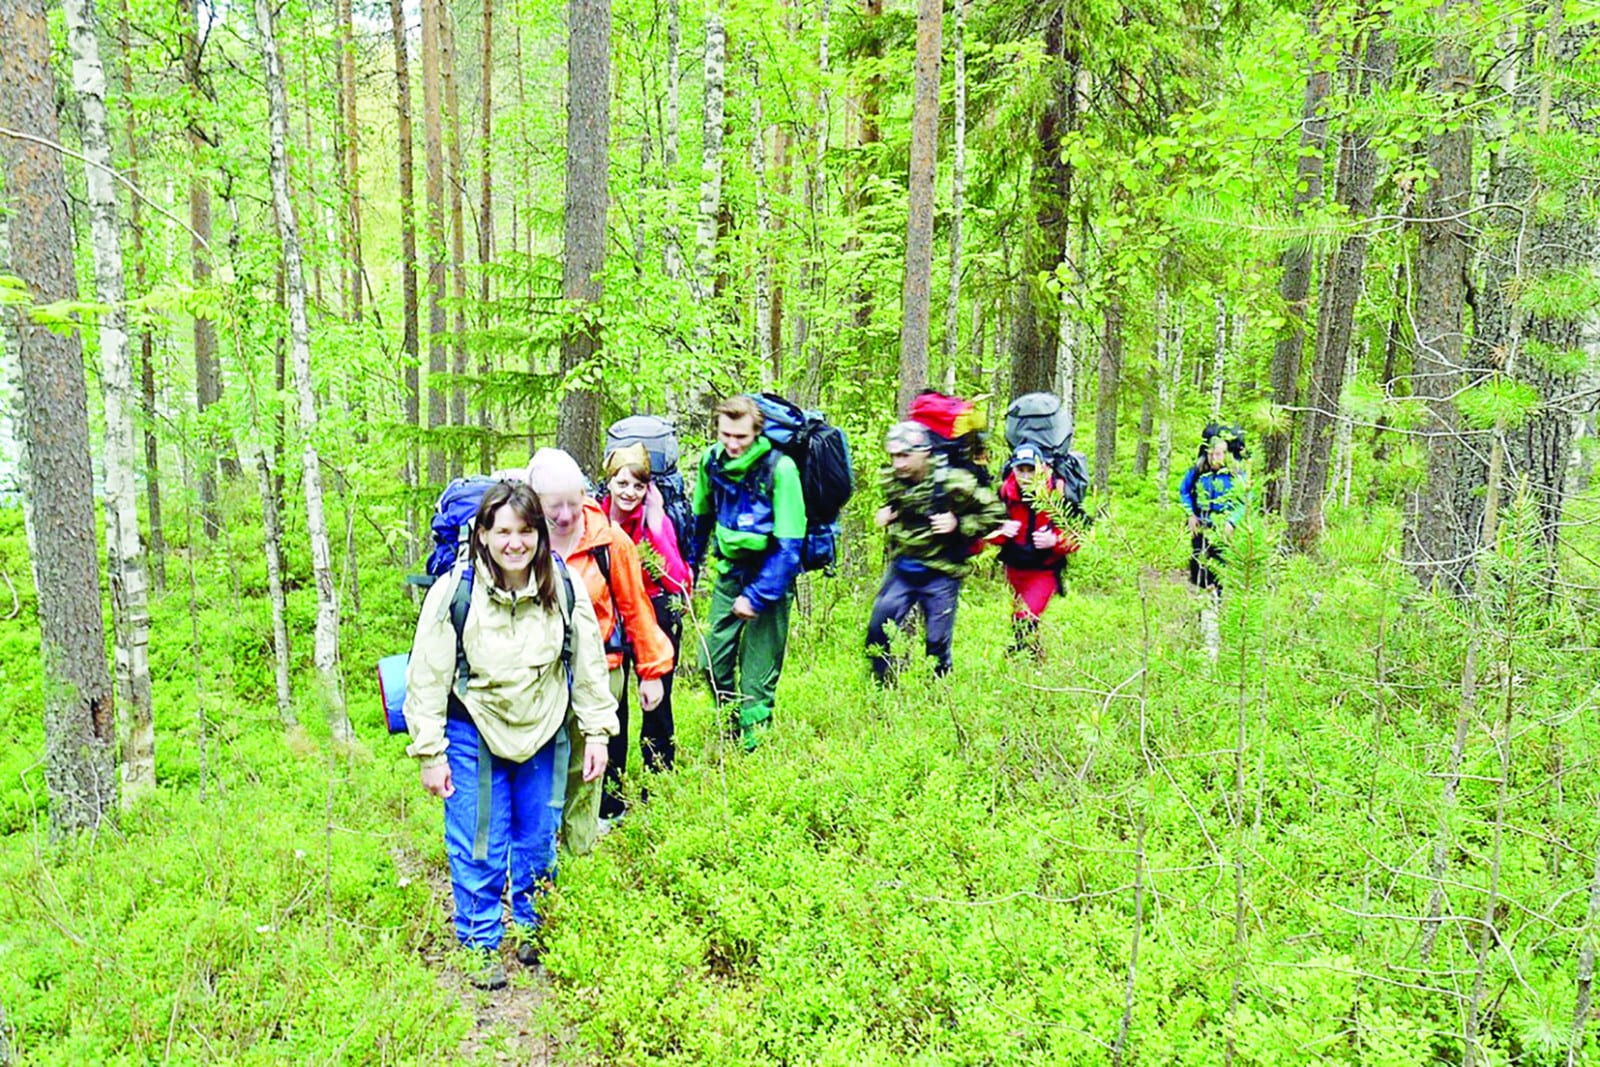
<point>130,610</point>
<point>326,653</point>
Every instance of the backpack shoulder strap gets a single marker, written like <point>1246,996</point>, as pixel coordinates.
<point>568,602</point>
<point>460,603</point>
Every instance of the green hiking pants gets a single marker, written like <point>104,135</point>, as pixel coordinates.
<point>746,656</point>
<point>580,817</point>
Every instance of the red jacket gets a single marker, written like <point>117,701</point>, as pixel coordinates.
<point>1019,551</point>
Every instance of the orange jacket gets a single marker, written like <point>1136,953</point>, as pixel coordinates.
<point>652,649</point>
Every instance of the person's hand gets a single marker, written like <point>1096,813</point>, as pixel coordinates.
<point>1194,524</point>
<point>1045,540</point>
<point>942,523</point>
<point>885,515</point>
<point>651,691</point>
<point>595,755</point>
<point>744,609</point>
<point>436,780</point>
<point>1008,529</point>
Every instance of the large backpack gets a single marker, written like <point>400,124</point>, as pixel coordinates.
<point>821,451</point>
<point>392,669</point>
<point>1041,420</point>
<point>956,427</point>
<point>1237,445</point>
<point>660,439</point>
<point>452,526</point>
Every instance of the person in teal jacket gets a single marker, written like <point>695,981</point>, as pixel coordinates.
<point>750,510</point>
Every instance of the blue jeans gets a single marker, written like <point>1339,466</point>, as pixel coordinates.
<point>502,818</point>
<point>906,589</point>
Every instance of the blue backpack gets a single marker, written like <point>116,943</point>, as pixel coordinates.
<point>821,452</point>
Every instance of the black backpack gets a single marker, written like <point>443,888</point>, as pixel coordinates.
<point>1040,419</point>
<point>821,451</point>
<point>1237,446</point>
<point>660,439</point>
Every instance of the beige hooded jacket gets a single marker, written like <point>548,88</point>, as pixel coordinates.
<point>517,690</point>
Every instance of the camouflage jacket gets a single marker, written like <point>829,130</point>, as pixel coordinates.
<point>977,509</point>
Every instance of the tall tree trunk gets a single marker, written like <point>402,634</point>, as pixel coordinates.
<point>433,15</point>
<point>1105,412</point>
<point>207,371</point>
<point>53,417</point>
<point>915,294</point>
<point>958,181</point>
<point>588,183</point>
<point>130,610</point>
<point>768,354</point>
<point>1536,242</point>
<point>326,653</point>
<point>1441,528</point>
<point>702,276</point>
<point>1169,341</point>
<point>1219,358</point>
<point>1295,284</point>
<point>1358,173</point>
<point>456,182</point>
<point>410,344</point>
<point>1147,418</point>
<point>157,545</point>
<point>351,157</point>
<point>1033,359</point>
<point>486,215</point>
<point>812,276</point>
<point>672,247</point>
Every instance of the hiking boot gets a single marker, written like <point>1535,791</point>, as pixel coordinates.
<point>529,954</point>
<point>486,971</point>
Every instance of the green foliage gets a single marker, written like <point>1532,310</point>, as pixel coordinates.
<point>1497,400</point>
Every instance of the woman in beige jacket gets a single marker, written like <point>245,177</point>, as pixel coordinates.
<point>486,717</point>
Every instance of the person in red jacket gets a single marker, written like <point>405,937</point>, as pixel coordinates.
<point>1033,546</point>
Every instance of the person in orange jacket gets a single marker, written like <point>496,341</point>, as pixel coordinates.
<point>601,553</point>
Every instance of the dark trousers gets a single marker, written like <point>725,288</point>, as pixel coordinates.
<point>1203,555</point>
<point>655,726</point>
<point>930,592</point>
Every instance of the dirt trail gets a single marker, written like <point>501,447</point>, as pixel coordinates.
<point>502,1019</point>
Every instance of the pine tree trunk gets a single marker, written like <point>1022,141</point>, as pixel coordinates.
<point>326,652</point>
<point>1442,524</point>
<point>958,180</point>
<point>588,184</point>
<point>207,372</point>
<point>1295,284</point>
<point>1105,412</point>
<point>916,292</point>
<point>1358,173</point>
<point>456,183</point>
<point>486,215</point>
<point>1034,355</point>
<point>53,418</point>
<point>433,137</point>
<point>130,610</point>
<point>1169,359</point>
<point>410,344</point>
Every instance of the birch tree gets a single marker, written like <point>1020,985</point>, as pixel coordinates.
<point>433,139</point>
<point>326,653</point>
<point>130,610</point>
<point>52,414</point>
<point>958,178</point>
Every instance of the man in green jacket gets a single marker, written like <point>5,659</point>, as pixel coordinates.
<point>749,506</point>
<point>933,516</point>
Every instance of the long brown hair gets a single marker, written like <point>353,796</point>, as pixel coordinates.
<point>524,502</point>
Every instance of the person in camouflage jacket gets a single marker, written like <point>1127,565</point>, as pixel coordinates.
<point>934,516</point>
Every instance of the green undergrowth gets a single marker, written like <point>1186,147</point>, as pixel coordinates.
<point>1123,846</point>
